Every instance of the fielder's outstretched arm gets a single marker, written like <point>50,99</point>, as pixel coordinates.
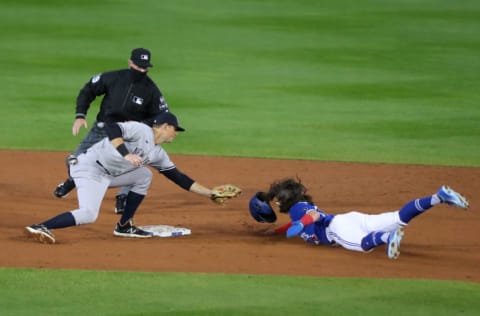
<point>200,189</point>
<point>185,182</point>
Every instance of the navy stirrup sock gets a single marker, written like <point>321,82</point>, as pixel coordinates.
<point>415,208</point>
<point>133,201</point>
<point>372,240</point>
<point>60,221</point>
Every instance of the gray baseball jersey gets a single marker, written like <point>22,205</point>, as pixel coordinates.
<point>139,140</point>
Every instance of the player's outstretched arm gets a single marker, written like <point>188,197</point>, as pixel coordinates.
<point>200,189</point>
<point>218,194</point>
<point>297,226</point>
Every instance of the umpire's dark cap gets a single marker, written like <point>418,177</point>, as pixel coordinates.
<point>169,118</point>
<point>141,57</point>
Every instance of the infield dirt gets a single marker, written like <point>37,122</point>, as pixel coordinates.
<point>444,243</point>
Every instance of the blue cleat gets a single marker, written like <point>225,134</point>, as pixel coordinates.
<point>447,195</point>
<point>393,245</point>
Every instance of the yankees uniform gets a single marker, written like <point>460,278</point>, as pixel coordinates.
<point>104,166</point>
<point>128,95</point>
<point>355,230</point>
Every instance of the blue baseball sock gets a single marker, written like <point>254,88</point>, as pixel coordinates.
<point>415,208</point>
<point>60,221</point>
<point>373,240</point>
<point>133,201</point>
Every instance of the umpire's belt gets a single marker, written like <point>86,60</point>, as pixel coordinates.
<point>103,168</point>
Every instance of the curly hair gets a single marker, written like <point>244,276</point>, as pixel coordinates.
<point>288,192</point>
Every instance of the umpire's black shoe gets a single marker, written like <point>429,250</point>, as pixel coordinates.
<point>120,204</point>
<point>64,188</point>
<point>129,230</point>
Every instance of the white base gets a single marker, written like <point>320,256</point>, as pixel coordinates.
<point>166,231</point>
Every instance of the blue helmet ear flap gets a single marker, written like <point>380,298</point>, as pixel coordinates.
<point>260,209</point>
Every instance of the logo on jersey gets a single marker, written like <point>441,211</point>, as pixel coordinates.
<point>140,152</point>
<point>163,106</point>
<point>310,238</point>
<point>95,78</point>
<point>137,100</point>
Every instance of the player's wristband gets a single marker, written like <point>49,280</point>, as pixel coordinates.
<point>307,219</point>
<point>122,149</point>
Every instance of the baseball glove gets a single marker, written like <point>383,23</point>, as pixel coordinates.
<point>224,192</point>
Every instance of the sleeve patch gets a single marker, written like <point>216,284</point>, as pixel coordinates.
<point>95,78</point>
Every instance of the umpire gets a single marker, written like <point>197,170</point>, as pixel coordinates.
<point>128,95</point>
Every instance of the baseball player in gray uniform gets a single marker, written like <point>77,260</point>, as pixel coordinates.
<point>116,161</point>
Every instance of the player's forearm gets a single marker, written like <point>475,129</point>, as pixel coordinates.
<point>314,215</point>
<point>120,146</point>
<point>283,228</point>
<point>200,189</point>
<point>179,178</point>
<point>117,142</point>
<point>307,219</point>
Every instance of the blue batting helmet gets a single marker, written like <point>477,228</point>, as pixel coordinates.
<point>261,210</point>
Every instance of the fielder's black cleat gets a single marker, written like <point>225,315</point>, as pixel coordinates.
<point>64,188</point>
<point>40,233</point>
<point>129,230</point>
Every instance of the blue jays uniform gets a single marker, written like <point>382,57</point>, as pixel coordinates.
<point>316,232</point>
<point>346,230</point>
<point>352,230</point>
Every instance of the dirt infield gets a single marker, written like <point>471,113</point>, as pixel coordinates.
<point>442,244</point>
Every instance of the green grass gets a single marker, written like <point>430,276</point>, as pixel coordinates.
<point>54,292</point>
<point>368,81</point>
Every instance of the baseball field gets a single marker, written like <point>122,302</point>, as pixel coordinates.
<point>371,103</point>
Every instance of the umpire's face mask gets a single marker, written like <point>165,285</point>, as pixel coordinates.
<point>137,74</point>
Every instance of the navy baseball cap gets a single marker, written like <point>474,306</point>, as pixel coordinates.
<point>141,57</point>
<point>169,118</point>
